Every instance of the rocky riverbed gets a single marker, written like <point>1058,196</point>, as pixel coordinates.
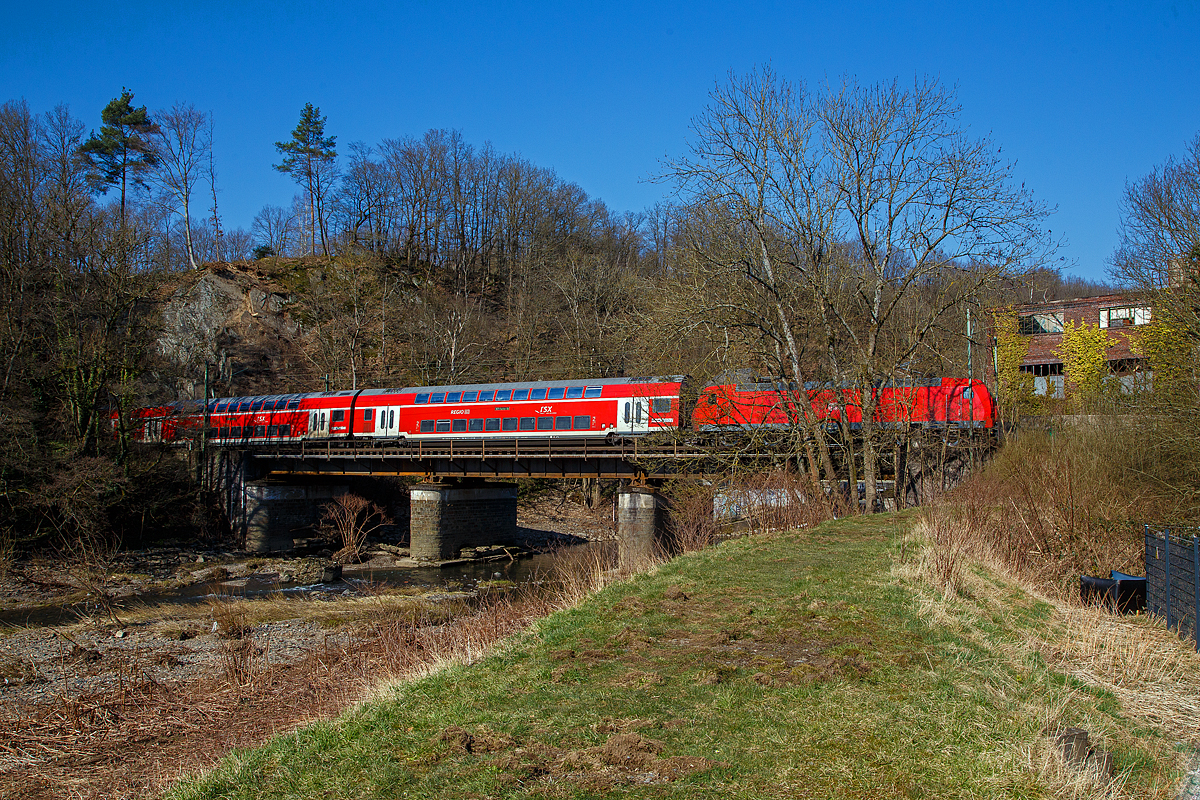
<point>89,644</point>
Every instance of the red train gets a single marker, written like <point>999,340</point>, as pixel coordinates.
<point>598,408</point>
<point>951,401</point>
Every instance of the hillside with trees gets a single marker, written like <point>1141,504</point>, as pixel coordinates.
<point>428,259</point>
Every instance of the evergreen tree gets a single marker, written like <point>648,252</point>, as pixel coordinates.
<point>309,159</point>
<point>122,152</point>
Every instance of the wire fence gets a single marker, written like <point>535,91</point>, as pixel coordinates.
<point>1173,578</point>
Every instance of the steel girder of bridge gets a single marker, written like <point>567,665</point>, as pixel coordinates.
<point>511,458</point>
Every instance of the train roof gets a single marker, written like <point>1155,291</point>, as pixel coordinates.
<point>180,404</point>
<point>469,387</point>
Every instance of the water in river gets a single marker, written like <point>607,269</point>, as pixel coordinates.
<point>465,576</point>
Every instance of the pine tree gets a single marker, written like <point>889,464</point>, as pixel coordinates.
<point>122,153</point>
<point>309,158</point>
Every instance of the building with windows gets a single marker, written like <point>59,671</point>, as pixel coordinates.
<point>1043,323</point>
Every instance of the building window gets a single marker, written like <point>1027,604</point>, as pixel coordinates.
<point>1032,324</point>
<point>1042,370</point>
<point>1122,317</point>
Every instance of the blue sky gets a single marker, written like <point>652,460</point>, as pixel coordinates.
<point>1084,96</point>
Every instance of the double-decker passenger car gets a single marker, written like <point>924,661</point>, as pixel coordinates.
<point>607,407</point>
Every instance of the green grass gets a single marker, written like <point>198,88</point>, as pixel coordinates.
<point>794,665</point>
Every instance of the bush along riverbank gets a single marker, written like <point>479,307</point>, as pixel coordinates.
<point>819,663</point>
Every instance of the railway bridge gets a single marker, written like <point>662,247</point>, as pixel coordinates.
<point>465,497</point>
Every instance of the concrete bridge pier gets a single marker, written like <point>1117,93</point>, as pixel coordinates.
<point>445,518</point>
<point>273,513</point>
<point>641,525</point>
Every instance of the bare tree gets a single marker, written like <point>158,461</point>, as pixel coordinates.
<point>1160,238</point>
<point>871,205</point>
<point>275,227</point>
<point>183,146</point>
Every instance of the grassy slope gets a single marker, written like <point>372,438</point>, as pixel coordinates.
<point>794,665</point>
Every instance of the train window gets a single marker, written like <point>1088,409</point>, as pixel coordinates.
<point>562,423</point>
<point>460,426</point>
<point>556,393</point>
<point>591,392</point>
<point>368,414</point>
<point>245,405</point>
<point>583,423</point>
<point>627,412</point>
<point>510,423</point>
<point>212,433</point>
<point>454,397</point>
<point>235,432</point>
<point>272,431</point>
<point>285,430</point>
<point>545,423</point>
<point>502,395</point>
<point>492,424</point>
<point>537,394</point>
<point>338,415</point>
<point>661,405</point>
<point>257,406</point>
<point>293,405</point>
<point>520,394</point>
<point>476,425</point>
<point>485,397</point>
<point>426,426</point>
<point>469,397</point>
<point>575,392</point>
<point>437,398</point>
<point>443,426</point>
<point>391,419</point>
<point>221,407</point>
<point>260,431</point>
<point>422,399</point>
<point>527,423</point>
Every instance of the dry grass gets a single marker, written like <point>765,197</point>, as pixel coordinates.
<point>131,741</point>
<point>1149,671</point>
<point>1051,507</point>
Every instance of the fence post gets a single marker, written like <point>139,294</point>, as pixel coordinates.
<point>1196,591</point>
<point>1167,545</point>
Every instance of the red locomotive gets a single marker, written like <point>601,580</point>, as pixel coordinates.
<point>950,401</point>
<point>595,408</point>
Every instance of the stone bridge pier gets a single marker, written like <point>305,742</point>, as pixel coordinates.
<point>445,518</point>
<point>641,525</point>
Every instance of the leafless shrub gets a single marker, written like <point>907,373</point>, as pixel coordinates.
<point>776,500</point>
<point>89,561</point>
<point>1052,507</point>
<point>350,519</point>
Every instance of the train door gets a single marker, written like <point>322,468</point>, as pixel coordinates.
<point>635,415</point>
<point>385,424</point>
<point>318,423</point>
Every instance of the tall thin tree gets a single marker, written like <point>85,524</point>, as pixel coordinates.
<point>307,157</point>
<point>122,152</point>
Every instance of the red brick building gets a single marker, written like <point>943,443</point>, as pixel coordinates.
<point>1043,323</point>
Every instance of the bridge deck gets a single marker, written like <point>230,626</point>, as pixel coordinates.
<point>491,458</point>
